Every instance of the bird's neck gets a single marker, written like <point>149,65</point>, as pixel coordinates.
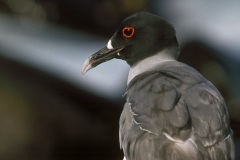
<point>151,62</point>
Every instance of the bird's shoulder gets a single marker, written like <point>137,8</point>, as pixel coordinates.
<point>156,101</point>
<point>176,100</point>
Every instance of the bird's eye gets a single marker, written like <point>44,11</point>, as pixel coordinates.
<point>128,32</point>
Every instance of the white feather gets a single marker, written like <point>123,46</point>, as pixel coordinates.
<point>150,62</point>
<point>109,44</point>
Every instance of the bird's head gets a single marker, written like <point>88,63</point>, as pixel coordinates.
<point>138,36</point>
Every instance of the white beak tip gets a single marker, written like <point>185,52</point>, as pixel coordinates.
<point>86,66</point>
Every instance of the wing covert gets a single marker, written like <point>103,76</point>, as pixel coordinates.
<point>158,106</point>
<point>208,112</point>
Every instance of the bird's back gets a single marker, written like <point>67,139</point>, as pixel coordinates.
<point>173,113</point>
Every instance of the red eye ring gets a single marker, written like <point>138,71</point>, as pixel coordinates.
<point>128,32</point>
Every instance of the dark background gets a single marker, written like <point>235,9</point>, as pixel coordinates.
<point>49,111</point>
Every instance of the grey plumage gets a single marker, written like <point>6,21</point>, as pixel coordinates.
<point>173,113</point>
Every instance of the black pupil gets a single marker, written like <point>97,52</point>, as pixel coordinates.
<point>128,32</point>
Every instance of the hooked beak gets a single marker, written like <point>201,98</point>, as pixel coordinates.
<point>103,55</point>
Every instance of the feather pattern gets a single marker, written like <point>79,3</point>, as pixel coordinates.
<point>173,113</point>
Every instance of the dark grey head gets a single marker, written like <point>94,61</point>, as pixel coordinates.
<point>138,37</point>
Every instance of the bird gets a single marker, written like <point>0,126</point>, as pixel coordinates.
<point>171,112</point>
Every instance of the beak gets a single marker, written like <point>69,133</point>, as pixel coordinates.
<point>99,57</point>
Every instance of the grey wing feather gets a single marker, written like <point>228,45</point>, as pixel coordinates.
<point>171,116</point>
<point>158,105</point>
<point>139,144</point>
<point>210,121</point>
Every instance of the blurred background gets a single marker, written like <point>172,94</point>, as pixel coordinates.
<point>49,111</point>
